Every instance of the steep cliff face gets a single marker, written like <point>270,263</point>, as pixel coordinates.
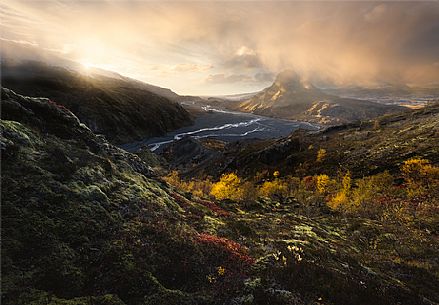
<point>291,97</point>
<point>122,109</point>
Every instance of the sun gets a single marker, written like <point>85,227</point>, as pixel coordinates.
<point>89,67</point>
<point>86,65</point>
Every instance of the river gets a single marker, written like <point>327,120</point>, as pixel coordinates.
<point>225,125</point>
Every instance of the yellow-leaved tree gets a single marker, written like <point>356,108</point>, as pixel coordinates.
<point>420,175</point>
<point>341,198</point>
<point>276,188</point>
<point>321,155</point>
<point>228,187</point>
<point>323,182</point>
<point>200,188</point>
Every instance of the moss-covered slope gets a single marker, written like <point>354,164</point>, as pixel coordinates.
<point>84,222</point>
<point>81,217</point>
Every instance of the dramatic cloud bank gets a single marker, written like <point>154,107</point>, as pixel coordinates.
<point>227,47</point>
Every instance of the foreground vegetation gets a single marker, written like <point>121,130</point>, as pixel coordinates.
<point>411,195</point>
<point>84,222</point>
<point>386,222</point>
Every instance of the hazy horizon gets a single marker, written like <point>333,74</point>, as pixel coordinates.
<point>220,48</point>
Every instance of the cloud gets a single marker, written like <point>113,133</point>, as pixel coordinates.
<point>225,79</point>
<point>196,45</point>
<point>264,77</point>
<point>376,13</point>
<point>244,57</point>
<point>20,42</point>
<point>191,67</point>
<point>258,78</point>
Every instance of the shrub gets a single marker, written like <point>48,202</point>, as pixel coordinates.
<point>213,207</point>
<point>200,188</point>
<point>414,169</point>
<point>308,182</point>
<point>276,188</point>
<point>227,250</point>
<point>323,183</point>
<point>346,182</point>
<point>369,188</point>
<point>249,192</point>
<point>321,155</point>
<point>420,175</point>
<point>293,184</point>
<point>341,198</point>
<point>229,187</point>
<point>173,178</point>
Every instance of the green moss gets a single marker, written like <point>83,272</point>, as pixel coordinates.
<point>103,233</point>
<point>17,131</point>
<point>211,225</point>
<point>40,297</point>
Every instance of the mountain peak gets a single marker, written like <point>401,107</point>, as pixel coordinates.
<point>288,78</point>
<point>292,97</point>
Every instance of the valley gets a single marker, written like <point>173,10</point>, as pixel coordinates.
<point>225,125</point>
<point>219,152</point>
<point>293,220</point>
<point>202,200</point>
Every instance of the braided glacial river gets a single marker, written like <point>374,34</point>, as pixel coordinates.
<point>225,125</point>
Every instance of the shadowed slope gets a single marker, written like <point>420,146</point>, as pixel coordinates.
<point>122,109</point>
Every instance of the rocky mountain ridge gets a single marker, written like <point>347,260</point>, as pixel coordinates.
<point>290,97</point>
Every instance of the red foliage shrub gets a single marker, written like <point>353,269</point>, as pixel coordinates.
<point>213,207</point>
<point>186,204</point>
<point>233,250</point>
<point>228,263</point>
<point>309,182</point>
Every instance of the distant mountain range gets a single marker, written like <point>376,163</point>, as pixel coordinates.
<point>290,97</point>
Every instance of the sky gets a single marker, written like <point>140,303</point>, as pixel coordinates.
<point>217,48</point>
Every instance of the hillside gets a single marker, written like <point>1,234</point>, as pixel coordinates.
<point>291,98</point>
<point>363,148</point>
<point>122,109</point>
<point>84,222</point>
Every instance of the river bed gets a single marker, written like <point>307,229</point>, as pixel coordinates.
<point>227,126</point>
